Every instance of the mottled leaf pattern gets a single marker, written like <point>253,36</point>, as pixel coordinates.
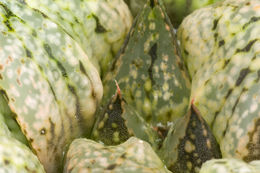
<point>50,84</point>
<point>99,26</point>
<point>220,45</point>
<point>110,127</point>
<point>132,156</point>
<point>16,157</point>
<point>189,144</point>
<point>50,91</point>
<point>119,121</point>
<point>229,166</point>
<point>149,69</point>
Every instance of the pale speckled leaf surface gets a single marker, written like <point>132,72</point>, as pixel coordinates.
<point>16,157</point>
<point>220,45</point>
<point>132,156</point>
<point>51,85</point>
<point>100,26</point>
<point>149,69</point>
<point>230,166</point>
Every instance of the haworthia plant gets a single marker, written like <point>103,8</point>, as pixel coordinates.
<point>132,156</point>
<point>176,9</point>
<point>15,156</point>
<point>221,45</point>
<point>149,68</point>
<point>189,144</point>
<point>100,26</point>
<point>50,86</point>
<point>230,166</point>
<point>119,121</point>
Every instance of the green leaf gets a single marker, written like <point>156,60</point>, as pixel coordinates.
<point>16,157</point>
<point>149,69</point>
<point>119,121</point>
<point>99,26</point>
<point>132,156</point>
<point>220,45</point>
<point>50,84</point>
<point>230,165</point>
<point>189,144</point>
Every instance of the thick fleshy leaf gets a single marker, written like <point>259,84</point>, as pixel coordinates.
<point>189,144</point>
<point>8,122</point>
<point>132,156</point>
<point>221,45</point>
<point>149,69</point>
<point>15,156</point>
<point>119,121</point>
<point>100,26</point>
<point>4,131</point>
<point>230,166</point>
<point>50,84</point>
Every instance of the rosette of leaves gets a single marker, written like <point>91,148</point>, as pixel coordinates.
<point>149,69</point>
<point>100,26</point>
<point>118,121</point>
<point>189,144</point>
<point>48,86</point>
<point>230,165</point>
<point>220,45</point>
<point>134,155</point>
<point>176,9</point>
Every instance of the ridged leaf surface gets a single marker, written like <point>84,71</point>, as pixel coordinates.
<point>220,45</point>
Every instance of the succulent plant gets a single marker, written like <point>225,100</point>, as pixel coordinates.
<point>176,9</point>
<point>99,26</point>
<point>132,156</point>
<point>149,69</point>
<point>54,54</point>
<point>220,45</point>
<point>189,144</point>
<point>229,166</point>
<point>53,92</point>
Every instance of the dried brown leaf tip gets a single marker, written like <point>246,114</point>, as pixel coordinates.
<point>118,91</point>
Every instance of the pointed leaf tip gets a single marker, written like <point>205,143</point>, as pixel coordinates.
<point>118,91</point>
